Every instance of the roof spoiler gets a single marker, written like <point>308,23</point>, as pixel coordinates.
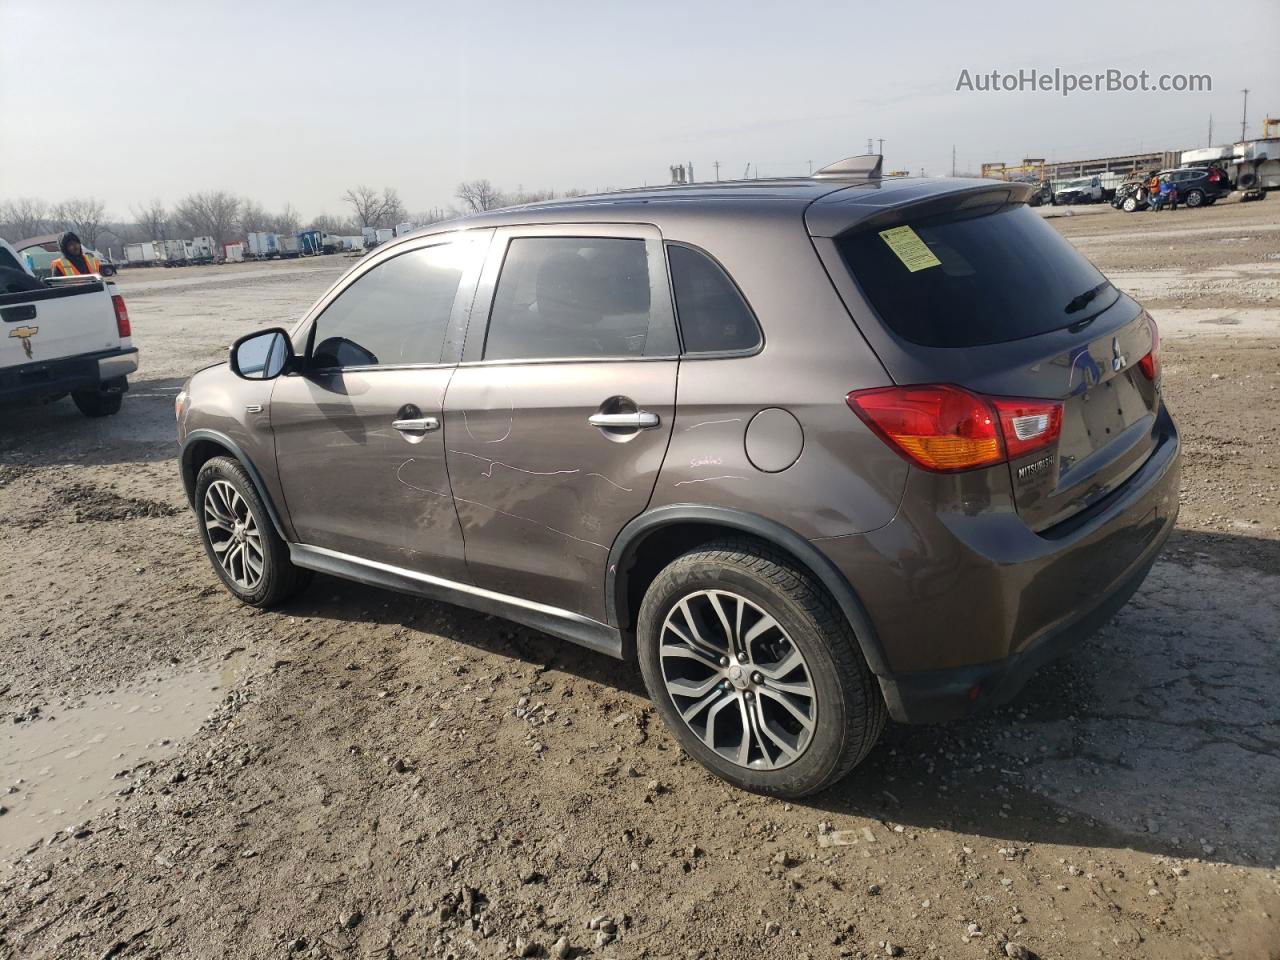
<point>865,166</point>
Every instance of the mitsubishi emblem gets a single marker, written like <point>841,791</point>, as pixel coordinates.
<point>1117,358</point>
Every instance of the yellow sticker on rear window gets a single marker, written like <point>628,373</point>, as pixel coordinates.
<point>911,250</point>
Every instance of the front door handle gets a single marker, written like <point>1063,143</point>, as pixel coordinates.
<point>640,420</point>
<point>417,425</point>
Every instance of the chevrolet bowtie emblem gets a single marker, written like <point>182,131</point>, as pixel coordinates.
<point>25,334</point>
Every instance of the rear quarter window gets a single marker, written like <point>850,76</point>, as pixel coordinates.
<point>712,314</point>
<point>999,273</point>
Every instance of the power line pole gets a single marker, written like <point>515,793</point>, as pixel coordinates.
<point>1244,113</point>
<point>1210,143</point>
<point>868,145</point>
<point>953,160</point>
<point>881,146</point>
<point>691,171</point>
<point>716,164</point>
<point>811,168</point>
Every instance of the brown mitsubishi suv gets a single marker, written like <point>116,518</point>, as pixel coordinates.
<point>814,452</point>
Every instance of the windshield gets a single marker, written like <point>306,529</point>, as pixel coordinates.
<point>984,275</point>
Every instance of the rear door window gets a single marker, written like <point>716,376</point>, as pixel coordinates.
<point>573,297</point>
<point>987,274</point>
<point>713,316</point>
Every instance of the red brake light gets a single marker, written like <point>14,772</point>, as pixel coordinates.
<point>1150,364</point>
<point>946,429</point>
<point>940,428</point>
<point>122,317</point>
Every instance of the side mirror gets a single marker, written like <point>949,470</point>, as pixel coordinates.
<point>262,355</point>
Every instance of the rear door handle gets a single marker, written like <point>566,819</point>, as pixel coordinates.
<point>640,420</point>
<point>417,425</point>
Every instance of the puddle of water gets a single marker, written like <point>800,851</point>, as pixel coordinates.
<point>59,769</point>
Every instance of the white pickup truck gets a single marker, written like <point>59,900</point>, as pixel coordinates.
<point>62,336</point>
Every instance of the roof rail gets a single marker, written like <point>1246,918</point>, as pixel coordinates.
<point>865,166</point>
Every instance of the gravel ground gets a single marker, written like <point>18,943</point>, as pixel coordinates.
<point>369,775</point>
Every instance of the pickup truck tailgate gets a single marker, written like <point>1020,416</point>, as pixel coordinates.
<point>63,321</point>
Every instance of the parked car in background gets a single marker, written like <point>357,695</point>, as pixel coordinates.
<point>953,464</point>
<point>1041,193</point>
<point>1197,186</point>
<point>1080,190</point>
<point>66,336</point>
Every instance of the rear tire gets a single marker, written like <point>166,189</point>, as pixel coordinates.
<point>95,403</point>
<point>250,558</point>
<point>1194,198</point>
<point>829,684</point>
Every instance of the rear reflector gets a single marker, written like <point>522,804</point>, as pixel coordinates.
<point>122,317</point>
<point>947,429</point>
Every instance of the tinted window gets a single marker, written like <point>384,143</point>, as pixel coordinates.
<point>988,275</point>
<point>397,313</point>
<point>570,297</point>
<point>713,316</point>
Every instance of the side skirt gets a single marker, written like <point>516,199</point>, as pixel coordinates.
<point>553,620</point>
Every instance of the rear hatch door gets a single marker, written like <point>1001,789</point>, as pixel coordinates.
<point>981,292</point>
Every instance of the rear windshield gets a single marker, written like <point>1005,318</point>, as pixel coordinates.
<point>975,276</point>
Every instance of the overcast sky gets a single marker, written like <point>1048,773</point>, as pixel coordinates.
<point>294,102</point>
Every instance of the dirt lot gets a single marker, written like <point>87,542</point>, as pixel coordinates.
<point>368,775</point>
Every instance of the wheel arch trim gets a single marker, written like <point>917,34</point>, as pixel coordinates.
<point>189,443</point>
<point>638,530</point>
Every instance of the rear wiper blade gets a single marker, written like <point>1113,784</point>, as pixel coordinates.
<point>1082,300</point>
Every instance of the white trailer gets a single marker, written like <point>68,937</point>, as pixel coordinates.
<point>263,245</point>
<point>370,236</point>
<point>385,234</point>
<point>288,246</point>
<point>403,228</point>
<point>173,252</point>
<point>142,254</point>
<point>233,252</point>
<point>201,250</point>
<point>353,243</point>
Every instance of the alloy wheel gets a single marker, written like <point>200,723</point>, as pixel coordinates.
<point>738,681</point>
<point>234,535</point>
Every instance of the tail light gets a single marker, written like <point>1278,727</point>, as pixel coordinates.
<point>1150,364</point>
<point>122,317</point>
<point>948,429</point>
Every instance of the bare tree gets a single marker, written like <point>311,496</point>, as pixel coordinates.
<point>212,213</point>
<point>287,221</point>
<point>478,196</point>
<point>433,215</point>
<point>153,219</point>
<point>23,218</point>
<point>373,209</point>
<point>84,215</point>
<point>253,217</point>
<point>334,225</point>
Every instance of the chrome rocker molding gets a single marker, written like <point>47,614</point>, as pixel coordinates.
<point>559,623</point>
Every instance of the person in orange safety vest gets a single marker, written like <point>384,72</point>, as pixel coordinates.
<point>74,261</point>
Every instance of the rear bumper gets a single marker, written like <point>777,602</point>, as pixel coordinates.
<point>51,378</point>
<point>967,605</point>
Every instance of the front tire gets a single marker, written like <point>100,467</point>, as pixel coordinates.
<point>756,671</point>
<point>1195,198</point>
<point>242,544</point>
